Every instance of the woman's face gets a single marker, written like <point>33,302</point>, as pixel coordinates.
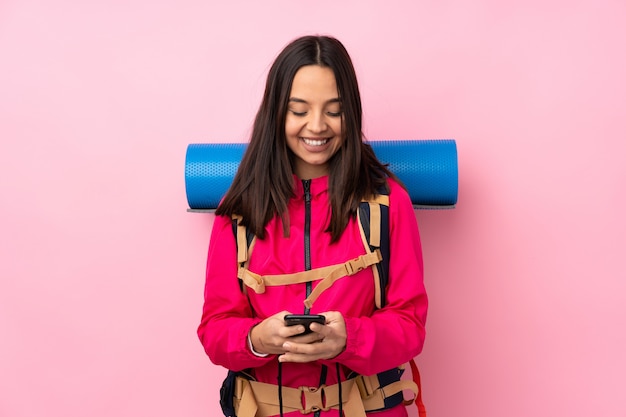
<point>314,117</point>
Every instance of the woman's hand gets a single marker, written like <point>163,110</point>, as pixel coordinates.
<point>269,336</point>
<point>326,341</point>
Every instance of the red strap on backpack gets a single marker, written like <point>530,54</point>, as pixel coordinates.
<point>416,378</point>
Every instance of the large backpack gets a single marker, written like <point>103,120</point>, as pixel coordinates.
<point>373,216</point>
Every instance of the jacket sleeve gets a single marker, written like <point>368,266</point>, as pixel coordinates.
<point>226,314</point>
<point>394,334</point>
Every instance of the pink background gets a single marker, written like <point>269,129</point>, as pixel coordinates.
<point>101,272</point>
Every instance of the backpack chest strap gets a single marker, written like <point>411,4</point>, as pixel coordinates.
<point>328,275</point>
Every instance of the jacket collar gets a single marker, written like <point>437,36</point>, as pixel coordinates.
<point>318,186</point>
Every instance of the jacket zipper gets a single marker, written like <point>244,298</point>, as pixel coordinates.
<point>307,260</point>
<point>307,235</point>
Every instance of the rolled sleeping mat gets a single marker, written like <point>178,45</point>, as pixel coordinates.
<point>428,169</point>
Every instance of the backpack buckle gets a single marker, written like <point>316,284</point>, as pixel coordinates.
<point>355,265</point>
<point>313,399</point>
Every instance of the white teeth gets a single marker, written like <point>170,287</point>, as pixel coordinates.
<point>312,142</point>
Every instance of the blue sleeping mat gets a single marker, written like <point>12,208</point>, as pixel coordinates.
<point>428,169</point>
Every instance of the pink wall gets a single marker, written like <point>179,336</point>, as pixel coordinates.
<point>101,270</point>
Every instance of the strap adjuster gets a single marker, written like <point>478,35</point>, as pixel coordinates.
<point>364,383</point>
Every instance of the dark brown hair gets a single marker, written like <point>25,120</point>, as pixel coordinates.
<point>263,184</point>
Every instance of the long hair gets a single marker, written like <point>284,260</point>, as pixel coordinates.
<point>264,184</point>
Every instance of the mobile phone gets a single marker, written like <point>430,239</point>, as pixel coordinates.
<point>305,320</point>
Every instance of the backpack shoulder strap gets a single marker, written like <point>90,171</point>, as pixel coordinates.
<point>373,216</point>
<point>244,240</point>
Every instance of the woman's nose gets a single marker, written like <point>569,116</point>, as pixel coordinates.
<point>317,123</point>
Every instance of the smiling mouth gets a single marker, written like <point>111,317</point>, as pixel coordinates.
<point>315,142</point>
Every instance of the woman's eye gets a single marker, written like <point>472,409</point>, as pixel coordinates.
<point>304,113</point>
<point>297,113</point>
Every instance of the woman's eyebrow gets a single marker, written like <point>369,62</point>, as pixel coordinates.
<point>299,100</point>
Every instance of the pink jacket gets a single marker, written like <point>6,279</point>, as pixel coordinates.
<point>378,340</point>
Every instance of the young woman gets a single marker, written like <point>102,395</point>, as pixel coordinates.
<point>297,190</point>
